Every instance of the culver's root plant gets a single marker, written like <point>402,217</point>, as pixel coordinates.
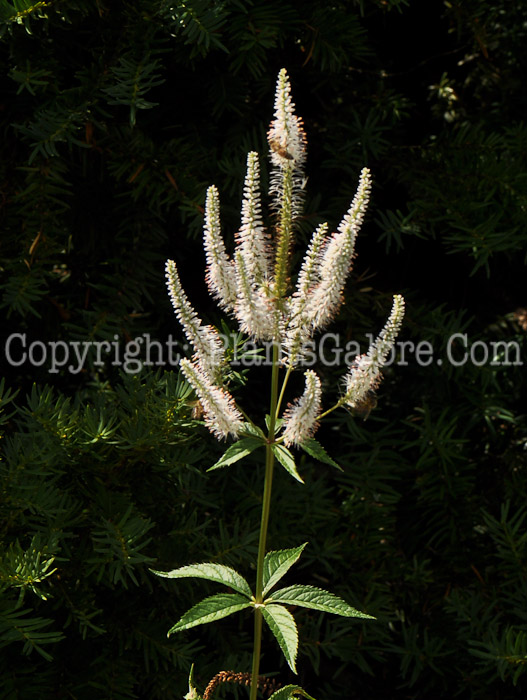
<point>254,286</point>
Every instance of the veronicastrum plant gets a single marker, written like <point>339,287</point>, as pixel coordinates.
<point>254,286</point>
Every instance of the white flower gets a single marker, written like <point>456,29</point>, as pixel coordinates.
<point>365,372</point>
<point>221,415</point>
<point>336,259</point>
<point>288,152</point>
<point>299,327</point>
<point>300,418</point>
<point>286,136</point>
<point>252,238</point>
<point>220,269</point>
<point>205,340</point>
<point>255,312</point>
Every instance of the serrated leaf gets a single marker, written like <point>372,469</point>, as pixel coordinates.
<point>276,564</point>
<point>209,610</point>
<point>212,572</point>
<point>288,692</point>
<point>238,451</point>
<point>254,430</point>
<point>283,626</point>
<point>316,599</point>
<point>316,450</point>
<point>286,459</point>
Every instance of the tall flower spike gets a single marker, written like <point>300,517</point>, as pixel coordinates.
<point>299,328</point>
<point>300,417</point>
<point>209,351</point>
<point>365,373</point>
<point>220,269</point>
<point>252,237</point>
<point>286,135</point>
<point>337,257</point>
<point>221,415</point>
<point>288,153</point>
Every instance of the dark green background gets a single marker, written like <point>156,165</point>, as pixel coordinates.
<point>115,118</point>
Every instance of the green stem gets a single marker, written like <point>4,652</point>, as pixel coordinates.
<point>264,523</point>
<point>339,403</point>
<point>284,384</point>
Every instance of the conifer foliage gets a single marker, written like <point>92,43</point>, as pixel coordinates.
<point>115,118</point>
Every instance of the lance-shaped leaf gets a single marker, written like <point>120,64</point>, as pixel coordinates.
<point>238,451</point>
<point>316,599</point>
<point>209,610</point>
<point>212,572</point>
<point>286,459</point>
<point>276,564</point>
<point>254,430</point>
<point>283,626</point>
<point>316,450</point>
<point>288,692</point>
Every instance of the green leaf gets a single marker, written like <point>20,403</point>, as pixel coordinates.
<point>316,599</point>
<point>282,625</point>
<point>254,430</point>
<point>286,459</point>
<point>289,691</point>
<point>277,424</point>
<point>212,572</point>
<point>316,450</point>
<point>238,451</point>
<point>209,610</point>
<point>276,564</point>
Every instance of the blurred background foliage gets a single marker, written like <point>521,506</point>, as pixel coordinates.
<point>115,117</point>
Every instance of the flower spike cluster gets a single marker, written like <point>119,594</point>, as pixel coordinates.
<point>253,284</point>
<point>204,373</point>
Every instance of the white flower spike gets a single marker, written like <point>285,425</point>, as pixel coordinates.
<point>300,327</point>
<point>252,238</point>
<point>336,259</point>
<point>286,136</point>
<point>205,340</point>
<point>221,415</point>
<point>365,373</point>
<point>220,269</point>
<point>255,313</point>
<point>300,418</point>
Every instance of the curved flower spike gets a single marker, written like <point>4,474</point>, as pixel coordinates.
<point>300,417</point>
<point>337,257</point>
<point>365,372</point>
<point>209,351</point>
<point>299,327</point>
<point>221,415</point>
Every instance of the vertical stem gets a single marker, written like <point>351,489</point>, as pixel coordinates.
<point>264,523</point>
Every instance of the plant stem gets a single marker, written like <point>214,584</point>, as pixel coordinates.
<point>266,505</point>
<point>279,402</point>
